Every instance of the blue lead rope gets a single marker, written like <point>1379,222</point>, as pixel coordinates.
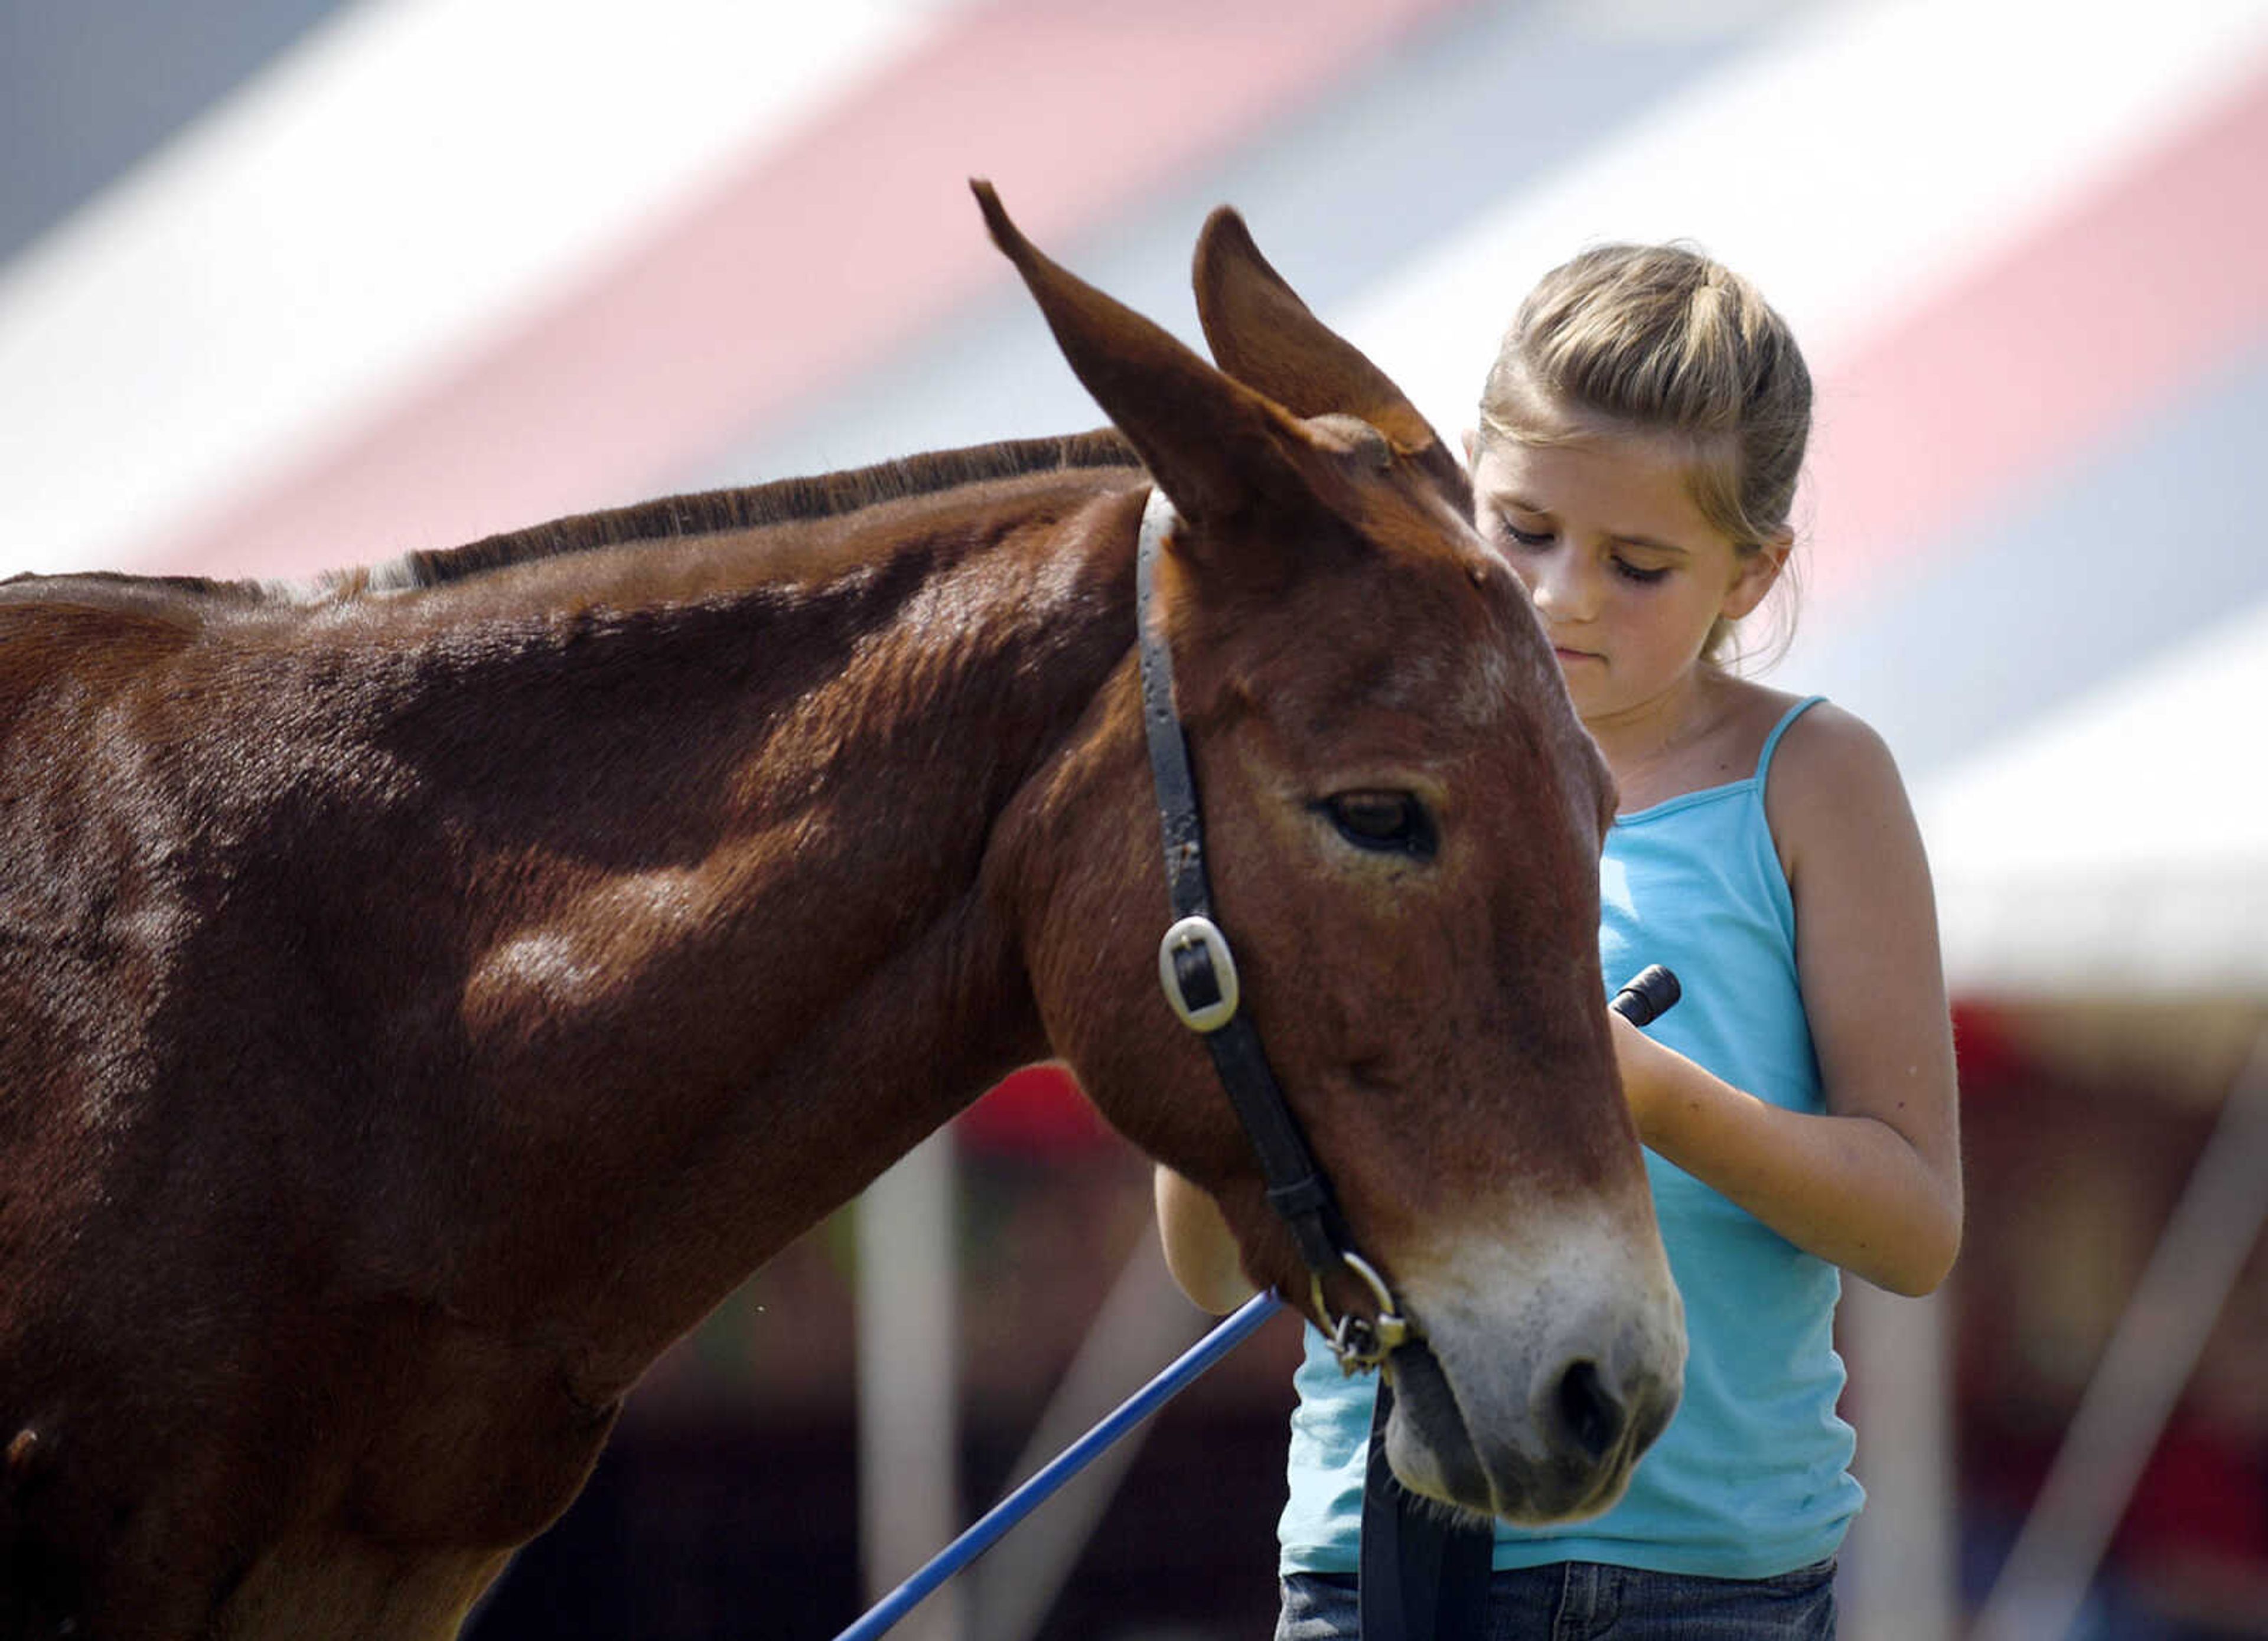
<point>995,1522</point>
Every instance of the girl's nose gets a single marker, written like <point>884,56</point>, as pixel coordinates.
<point>1564,589</point>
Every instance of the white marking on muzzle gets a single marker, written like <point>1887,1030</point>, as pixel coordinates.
<point>1509,1319</point>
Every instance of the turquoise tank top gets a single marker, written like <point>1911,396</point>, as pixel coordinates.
<point>1752,1478</point>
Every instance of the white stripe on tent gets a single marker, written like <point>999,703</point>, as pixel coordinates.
<point>1850,168</point>
<point>410,178</point>
<point>2119,845</point>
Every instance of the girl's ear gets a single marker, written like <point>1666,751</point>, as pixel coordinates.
<point>1757,573</point>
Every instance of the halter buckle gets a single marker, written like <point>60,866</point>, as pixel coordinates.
<point>1198,974</point>
<point>1362,1342</point>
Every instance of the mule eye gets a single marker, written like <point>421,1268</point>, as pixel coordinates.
<point>1384,823</point>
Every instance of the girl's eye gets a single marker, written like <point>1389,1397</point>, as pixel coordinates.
<point>1527,538</point>
<point>1629,571</point>
<point>1393,823</point>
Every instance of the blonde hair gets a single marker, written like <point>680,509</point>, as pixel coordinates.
<point>1664,339</point>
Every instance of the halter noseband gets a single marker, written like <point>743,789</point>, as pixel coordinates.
<point>1199,975</point>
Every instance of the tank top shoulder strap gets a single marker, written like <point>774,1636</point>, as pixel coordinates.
<point>1771,741</point>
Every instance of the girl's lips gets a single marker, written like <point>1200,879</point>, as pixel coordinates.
<point>1567,655</point>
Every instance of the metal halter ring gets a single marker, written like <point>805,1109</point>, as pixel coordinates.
<point>1362,1342</point>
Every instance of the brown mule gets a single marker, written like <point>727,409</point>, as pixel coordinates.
<point>423,995</point>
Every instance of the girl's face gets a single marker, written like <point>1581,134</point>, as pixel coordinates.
<point>1627,574</point>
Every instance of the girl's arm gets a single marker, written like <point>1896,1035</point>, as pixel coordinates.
<point>1874,1185</point>
<point>1200,1252</point>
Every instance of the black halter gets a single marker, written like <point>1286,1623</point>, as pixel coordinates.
<point>1199,976</point>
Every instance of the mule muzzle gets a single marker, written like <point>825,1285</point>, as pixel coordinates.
<point>1554,1441</point>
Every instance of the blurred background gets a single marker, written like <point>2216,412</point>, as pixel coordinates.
<point>290,284</point>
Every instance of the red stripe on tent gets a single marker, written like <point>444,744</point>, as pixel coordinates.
<point>821,258</point>
<point>2088,326</point>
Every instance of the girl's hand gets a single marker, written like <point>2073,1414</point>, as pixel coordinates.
<point>1646,1070</point>
<point>1200,1250</point>
<point>1850,1188</point>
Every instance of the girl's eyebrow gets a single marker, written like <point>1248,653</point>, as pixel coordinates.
<point>1507,498</point>
<point>1649,544</point>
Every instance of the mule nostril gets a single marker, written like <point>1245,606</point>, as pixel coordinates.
<point>1593,1414</point>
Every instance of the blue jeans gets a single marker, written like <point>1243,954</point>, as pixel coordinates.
<point>1582,1601</point>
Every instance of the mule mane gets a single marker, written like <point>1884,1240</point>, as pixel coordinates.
<point>784,501</point>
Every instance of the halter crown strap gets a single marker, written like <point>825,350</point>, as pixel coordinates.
<point>1199,976</point>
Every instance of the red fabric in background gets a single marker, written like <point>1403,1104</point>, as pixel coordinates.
<point>1038,1109</point>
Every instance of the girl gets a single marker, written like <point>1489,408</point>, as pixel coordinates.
<point>1641,433</point>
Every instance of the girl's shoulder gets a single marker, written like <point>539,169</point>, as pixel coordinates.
<point>1824,751</point>
<point>1832,782</point>
<point>1745,716</point>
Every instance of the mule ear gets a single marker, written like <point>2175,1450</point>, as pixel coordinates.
<point>1214,445</point>
<point>1264,336</point>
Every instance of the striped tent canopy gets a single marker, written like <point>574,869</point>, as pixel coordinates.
<point>309,284</point>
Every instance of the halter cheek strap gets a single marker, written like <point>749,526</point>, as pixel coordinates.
<point>1199,972</point>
